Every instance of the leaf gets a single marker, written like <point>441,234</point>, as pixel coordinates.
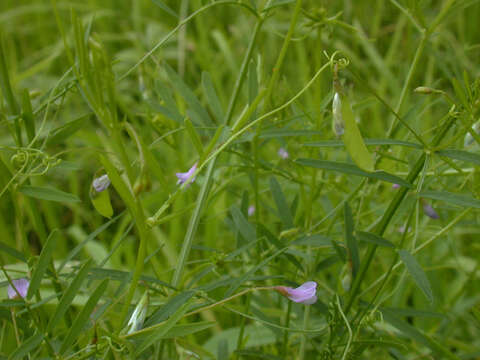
<point>163,328</point>
<point>212,97</point>
<point>375,142</point>
<point>166,310</point>
<point>353,170</point>
<point>12,252</point>
<point>192,133</point>
<point>243,226</point>
<point>63,132</point>
<point>43,262</point>
<point>456,199</point>
<point>460,155</point>
<point>417,273</point>
<point>353,139</point>
<point>46,193</point>
<point>374,239</point>
<point>416,335</point>
<point>68,296</point>
<point>350,239</point>
<point>27,346</point>
<point>200,114</point>
<point>164,7</point>
<point>101,202</point>
<point>281,202</point>
<point>180,330</point>
<point>83,317</point>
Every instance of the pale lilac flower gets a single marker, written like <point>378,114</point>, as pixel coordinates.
<point>430,211</point>
<point>395,186</point>
<point>101,183</point>
<point>251,210</point>
<point>304,294</point>
<point>184,177</point>
<point>283,153</point>
<point>22,287</point>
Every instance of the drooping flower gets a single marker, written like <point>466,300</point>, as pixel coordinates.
<point>283,153</point>
<point>304,294</point>
<point>430,211</point>
<point>184,177</point>
<point>22,288</point>
<point>101,183</point>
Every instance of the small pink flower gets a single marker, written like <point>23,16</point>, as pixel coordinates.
<point>430,211</point>
<point>101,183</point>
<point>304,294</point>
<point>283,153</point>
<point>184,177</point>
<point>395,186</point>
<point>22,287</point>
<point>251,210</point>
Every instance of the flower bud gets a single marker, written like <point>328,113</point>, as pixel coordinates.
<point>337,119</point>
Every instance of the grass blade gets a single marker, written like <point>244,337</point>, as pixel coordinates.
<point>350,239</point>
<point>281,202</point>
<point>452,198</point>
<point>68,296</point>
<point>83,317</point>
<point>43,262</point>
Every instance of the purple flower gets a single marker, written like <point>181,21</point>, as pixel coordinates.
<point>22,287</point>
<point>101,183</point>
<point>251,210</point>
<point>184,177</point>
<point>283,153</point>
<point>430,211</point>
<point>304,294</point>
<point>395,186</point>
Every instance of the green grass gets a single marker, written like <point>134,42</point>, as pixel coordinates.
<point>142,90</point>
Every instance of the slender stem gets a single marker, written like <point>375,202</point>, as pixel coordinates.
<point>388,215</point>
<point>303,341</point>
<point>194,220</point>
<point>283,52</point>
<point>285,333</point>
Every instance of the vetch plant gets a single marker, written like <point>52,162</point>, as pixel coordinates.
<point>304,294</point>
<point>19,289</point>
<point>187,177</point>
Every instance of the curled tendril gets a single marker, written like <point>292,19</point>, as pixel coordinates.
<point>337,64</point>
<point>20,158</point>
<point>120,347</point>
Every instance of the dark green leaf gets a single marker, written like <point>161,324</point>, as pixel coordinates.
<point>83,317</point>
<point>456,199</point>
<point>350,239</point>
<point>51,194</point>
<point>374,239</point>
<point>460,155</point>
<point>27,346</point>
<point>281,202</point>
<point>351,169</point>
<point>43,261</point>
<point>417,273</point>
<point>162,313</point>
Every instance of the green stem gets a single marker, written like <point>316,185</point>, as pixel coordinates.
<point>303,341</point>
<point>201,200</point>
<point>388,215</point>
<point>283,52</point>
